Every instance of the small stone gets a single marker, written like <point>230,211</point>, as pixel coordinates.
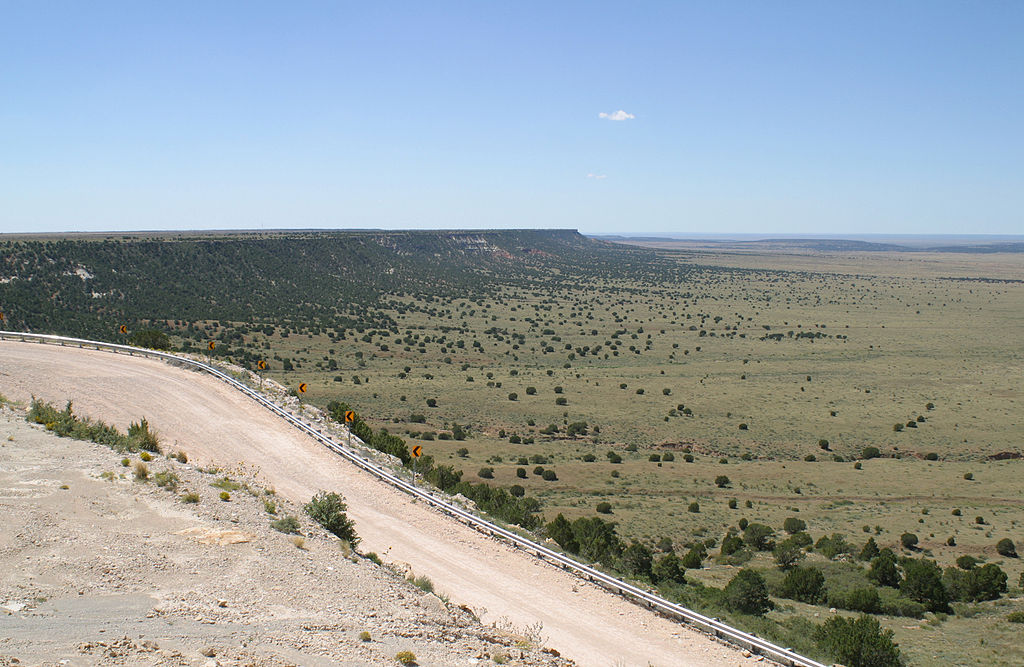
<point>746,654</point>
<point>209,652</point>
<point>222,603</point>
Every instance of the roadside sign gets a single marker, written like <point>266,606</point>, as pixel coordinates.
<point>350,416</point>
<point>302,388</point>
<point>211,345</point>
<point>123,329</point>
<point>417,451</point>
<point>262,365</point>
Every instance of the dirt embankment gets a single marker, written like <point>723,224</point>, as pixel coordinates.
<point>215,425</point>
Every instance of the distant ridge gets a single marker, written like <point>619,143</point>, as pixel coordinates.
<point>819,244</point>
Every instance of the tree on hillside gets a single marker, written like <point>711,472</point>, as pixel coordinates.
<point>747,593</point>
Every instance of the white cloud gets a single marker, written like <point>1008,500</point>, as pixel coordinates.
<point>617,115</point>
<point>597,177</point>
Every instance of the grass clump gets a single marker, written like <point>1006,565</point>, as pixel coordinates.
<point>423,583</point>
<point>167,480</point>
<point>190,497</point>
<point>287,525</point>
<point>226,484</point>
<point>225,496</point>
<point>405,658</point>
<point>364,636</point>
<point>141,471</point>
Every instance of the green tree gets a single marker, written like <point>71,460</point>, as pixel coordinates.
<point>788,553</point>
<point>922,582</point>
<point>759,536</point>
<point>883,570</point>
<point>560,530</point>
<point>859,642</point>
<point>636,560</point>
<point>747,593</point>
<point>669,568</point>
<point>869,551</point>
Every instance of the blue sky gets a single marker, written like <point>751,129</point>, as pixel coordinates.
<point>757,117</point>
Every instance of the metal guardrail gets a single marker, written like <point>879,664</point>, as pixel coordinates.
<point>712,626</point>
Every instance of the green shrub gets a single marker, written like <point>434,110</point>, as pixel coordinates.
<point>486,473</point>
<point>146,456</point>
<point>870,453</point>
<point>832,546</point>
<point>668,457</point>
<point>1006,547</point>
<point>731,544</point>
<point>549,476</point>
<point>328,509</point>
<point>865,599</point>
<point>190,497</point>
<point>364,636</point>
<point>604,508</point>
<point>269,506</point>
<point>908,540</point>
<point>225,496</point>
<point>287,525</point>
<point>859,642</point>
<point>804,584</point>
<point>694,507</point>
<point>1015,617</point>
<point>721,481</point>
<point>126,462</point>
<point>901,606</point>
<point>794,525</point>
<point>693,560</point>
<point>406,657</point>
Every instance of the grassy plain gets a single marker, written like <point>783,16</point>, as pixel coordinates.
<point>883,336</point>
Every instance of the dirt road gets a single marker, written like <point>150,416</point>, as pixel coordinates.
<point>216,425</point>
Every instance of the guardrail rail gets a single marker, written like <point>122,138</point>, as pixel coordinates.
<point>712,626</point>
